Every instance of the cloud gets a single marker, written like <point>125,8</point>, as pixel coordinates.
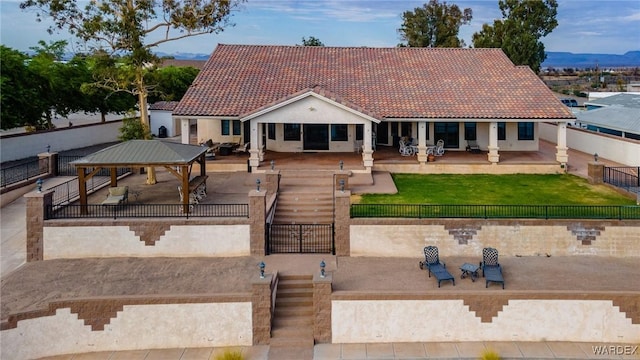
<point>632,17</point>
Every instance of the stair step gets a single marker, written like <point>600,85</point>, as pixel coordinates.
<point>294,301</point>
<point>293,332</point>
<point>291,342</point>
<point>288,277</point>
<point>294,311</point>
<point>293,321</point>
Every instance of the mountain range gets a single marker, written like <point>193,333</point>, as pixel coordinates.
<point>554,59</point>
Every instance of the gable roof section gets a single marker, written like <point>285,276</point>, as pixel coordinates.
<point>389,82</point>
<point>613,117</point>
<point>317,92</point>
<point>627,100</point>
<point>144,152</point>
<point>163,105</point>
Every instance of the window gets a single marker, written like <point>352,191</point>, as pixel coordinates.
<point>339,132</point>
<point>237,127</point>
<point>271,130</point>
<point>291,132</point>
<point>359,131</point>
<point>502,131</point>
<point>525,131</point>
<point>225,127</point>
<point>470,131</point>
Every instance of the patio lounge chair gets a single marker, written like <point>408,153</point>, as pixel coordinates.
<point>491,269</point>
<point>117,195</point>
<point>435,266</point>
<point>211,148</point>
<point>242,149</point>
<point>439,151</point>
<point>473,147</point>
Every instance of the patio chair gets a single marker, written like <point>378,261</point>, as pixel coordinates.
<point>117,195</point>
<point>211,148</point>
<point>439,151</point>
<point>405,149</point>
<point>491,269</point>
<point>473,147</point>
<point>243,149</point>
<point>435,266</point>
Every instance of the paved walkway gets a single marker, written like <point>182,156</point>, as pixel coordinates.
<point>415,351</point>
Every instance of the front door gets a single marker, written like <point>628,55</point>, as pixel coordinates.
<point>316,137</point>
<point>449,132</point>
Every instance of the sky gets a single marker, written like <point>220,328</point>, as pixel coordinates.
<point>585,26</point>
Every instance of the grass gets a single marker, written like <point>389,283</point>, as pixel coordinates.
<point>516,189</point>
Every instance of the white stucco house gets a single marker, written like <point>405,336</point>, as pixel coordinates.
<point>337,99</point>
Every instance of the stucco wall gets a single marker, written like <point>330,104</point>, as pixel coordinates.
<point>379,321</point>
<point>615,148</point>
<point>159,118</point>
<point>407,239</point>
<point>64,242</point>
<point>20,146</point>
<point>135,327</point>
<point>449,168</point>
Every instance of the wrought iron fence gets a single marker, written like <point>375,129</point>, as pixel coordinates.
<point>68,191</point>
<point>127,210</point>
<point>424,211</point>
<point>24,171</point>
<point>300,238</point>
<point>623,177</point>
<point>66,169</point>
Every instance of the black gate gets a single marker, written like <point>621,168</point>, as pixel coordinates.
<point>300,238</point>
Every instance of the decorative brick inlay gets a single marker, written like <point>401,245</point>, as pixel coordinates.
<point>98,312</point>
<point>486,308</point>
<point>585,234</point>
<point>463,233</point>
<point>150,232</point>
<point>488,305</point>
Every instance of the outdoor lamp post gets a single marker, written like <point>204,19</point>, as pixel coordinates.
<point>322,266</point>
<point>595,157</point>
<point>48,148</point>
<point>262,266</point>
<point>341,163</point>
<point>258,185</point>
<point>273,164</point>
<point>39,185</point>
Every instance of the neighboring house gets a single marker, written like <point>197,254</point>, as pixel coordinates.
<point>161,123</point>
<point>615,115</point>
<point>337,99</point>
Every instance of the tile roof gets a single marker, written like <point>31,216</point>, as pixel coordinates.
<point>163,105</point>
<point>389,82</point>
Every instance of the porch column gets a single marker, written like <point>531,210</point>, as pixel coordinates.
<point>185,131</point>
<point>561,149</point>
<point>422,142</point>
<point>367,152</point>
<point>254,151</point>
<point>493,155</point>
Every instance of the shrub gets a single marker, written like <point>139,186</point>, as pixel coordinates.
<point>489,354</point>
<point>230,354</point>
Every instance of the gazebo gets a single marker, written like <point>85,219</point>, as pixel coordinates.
<point>177,158</point>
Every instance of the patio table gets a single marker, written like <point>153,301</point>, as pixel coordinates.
<point>469,270</point>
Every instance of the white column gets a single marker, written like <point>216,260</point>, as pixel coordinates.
<point>185,130</point>
<point>493,155</point>
<point>561,149</point>
<point>422,142</point>
<point>254,152</point>
<point>367,151</point>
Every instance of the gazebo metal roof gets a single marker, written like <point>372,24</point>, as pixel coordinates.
<point>142,152</point>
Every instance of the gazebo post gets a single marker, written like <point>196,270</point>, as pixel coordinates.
<point>185,187</point>
<point>114,176</point>
<point>82,189</point>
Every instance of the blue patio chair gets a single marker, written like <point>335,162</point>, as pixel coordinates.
<point>435,266</point>
<point>491,269</point>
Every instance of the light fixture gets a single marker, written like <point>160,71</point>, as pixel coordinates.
<point>322,266</point>
<point>273,164</point>
<point>48,148</point>
<point>39,184</point>
<point>262,266</point>
<point>258,185</point>
<point>341,163</point>
<point>595,157</point>
<point>341,185</point>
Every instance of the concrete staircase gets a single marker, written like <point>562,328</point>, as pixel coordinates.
<point>292,329</point>
<point>305,197</point>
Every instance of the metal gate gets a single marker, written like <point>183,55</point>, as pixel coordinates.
<point>300,238</point>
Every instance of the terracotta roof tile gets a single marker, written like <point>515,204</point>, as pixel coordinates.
<point>163,105</point>
<point>388,82</point>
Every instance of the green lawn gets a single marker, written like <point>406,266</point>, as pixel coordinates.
<point>514,189</point>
